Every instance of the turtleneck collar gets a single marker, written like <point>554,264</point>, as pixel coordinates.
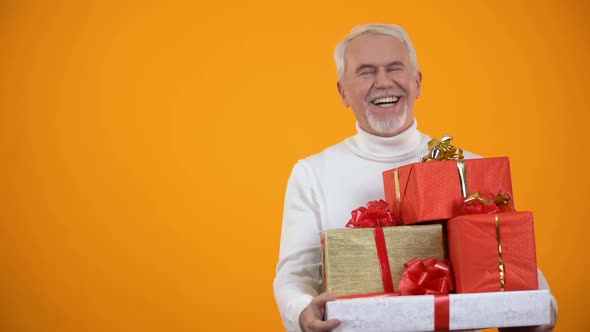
<point>388,149</point>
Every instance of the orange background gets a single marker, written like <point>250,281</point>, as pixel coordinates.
<point>145,146</point>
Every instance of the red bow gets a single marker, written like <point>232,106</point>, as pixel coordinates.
<point>374,214</point>
<point>483,203</point>
<point>425,277</point>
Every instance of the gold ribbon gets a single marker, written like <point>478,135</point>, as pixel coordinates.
<point>463,177</point>
<point>477,196</point>
<point>442,149</point>
<point>500,260</point>
<point>398,194</point>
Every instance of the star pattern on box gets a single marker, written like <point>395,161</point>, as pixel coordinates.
<point>357,322</point>
<point>511,315</point>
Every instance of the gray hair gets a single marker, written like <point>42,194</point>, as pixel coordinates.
<point>382,29</point>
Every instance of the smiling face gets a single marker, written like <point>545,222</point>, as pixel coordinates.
<point>380,84</point>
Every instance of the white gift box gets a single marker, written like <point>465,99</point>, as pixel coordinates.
<point>416,313</point>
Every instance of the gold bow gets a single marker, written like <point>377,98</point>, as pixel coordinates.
<point>442,149</point>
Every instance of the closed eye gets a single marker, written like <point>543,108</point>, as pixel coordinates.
<point>392,69</point>
<point>366,72</point>
<point>363,70</point>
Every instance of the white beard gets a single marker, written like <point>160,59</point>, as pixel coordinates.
<point>390,126</point>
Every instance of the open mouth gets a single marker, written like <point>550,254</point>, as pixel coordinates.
<point>385,101</point>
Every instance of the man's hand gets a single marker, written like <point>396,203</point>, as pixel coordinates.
<point>312,317</point>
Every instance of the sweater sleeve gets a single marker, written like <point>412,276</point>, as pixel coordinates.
<point>297,278</point>
<point>543,284</point>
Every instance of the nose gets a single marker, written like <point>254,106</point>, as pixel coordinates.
<point>382,79</point>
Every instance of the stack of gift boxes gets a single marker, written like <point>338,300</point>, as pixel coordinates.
<point>446,251</point>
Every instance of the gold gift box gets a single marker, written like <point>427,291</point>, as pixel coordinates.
<point>350,262</point>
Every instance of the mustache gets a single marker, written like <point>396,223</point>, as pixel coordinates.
<point>374,94</point>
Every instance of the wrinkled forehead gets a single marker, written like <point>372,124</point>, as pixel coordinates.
<point>375,49</point>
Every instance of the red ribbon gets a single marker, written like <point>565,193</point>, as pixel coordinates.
<point>374,214</point>
<point>484,203</point>
<point>429,277</point>
<point>383,260</point>
<point>425,277</point>
<point>442,312</point>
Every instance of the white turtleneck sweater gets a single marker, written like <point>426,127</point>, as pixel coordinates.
<point>322,191</point>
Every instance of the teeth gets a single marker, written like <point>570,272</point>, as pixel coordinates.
<point>391,99</point>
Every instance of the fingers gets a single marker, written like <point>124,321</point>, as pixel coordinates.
<point>319,303</point>
<point>324,297</point>
<point>311,319</point>
<point>553,316</point>
<point>324,326</point>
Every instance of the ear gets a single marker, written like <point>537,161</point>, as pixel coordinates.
<point>418,84</point>
<point>342,94</point>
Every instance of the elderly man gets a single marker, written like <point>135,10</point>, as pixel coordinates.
<point>379,78</point>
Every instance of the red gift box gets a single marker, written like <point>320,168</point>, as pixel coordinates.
<point>481,246</point>
<point>433,191</point>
